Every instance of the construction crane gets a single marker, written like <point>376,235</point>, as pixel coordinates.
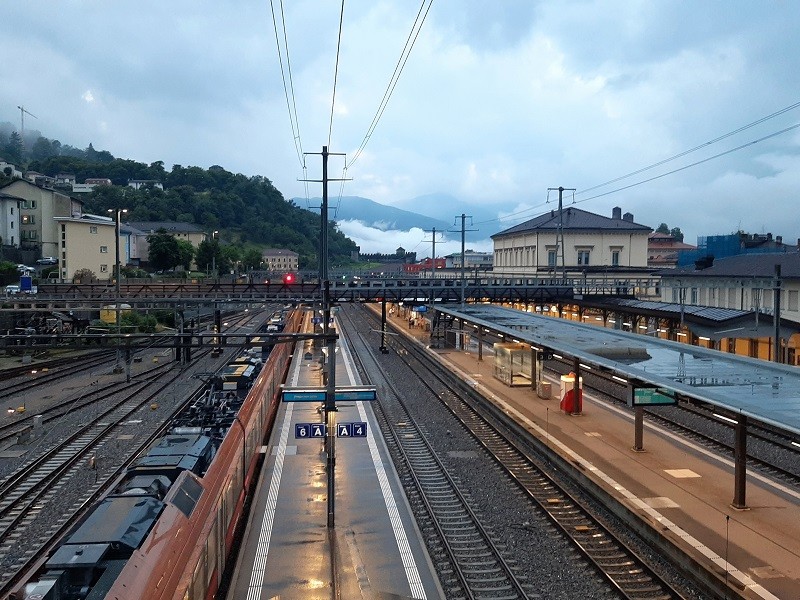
<point>22,113</point>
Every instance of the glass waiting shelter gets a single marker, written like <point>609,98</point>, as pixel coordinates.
<point>512,363</point>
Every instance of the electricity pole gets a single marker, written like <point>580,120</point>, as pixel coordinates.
<point>560,233</point>
<point>330,339</point>
<point>463,257</point>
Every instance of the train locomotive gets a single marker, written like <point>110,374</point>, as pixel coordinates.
<point>166,530</point>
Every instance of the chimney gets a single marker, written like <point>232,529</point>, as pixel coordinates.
<point>779,239</point>
<point>628,217</point>
<point>769,237</point>
<point>616,213</point>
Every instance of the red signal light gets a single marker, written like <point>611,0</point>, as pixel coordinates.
<point>288,278</point>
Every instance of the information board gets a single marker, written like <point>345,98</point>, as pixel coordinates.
<point>653,397</point>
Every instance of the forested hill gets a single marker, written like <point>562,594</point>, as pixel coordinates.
<point>249,210</point>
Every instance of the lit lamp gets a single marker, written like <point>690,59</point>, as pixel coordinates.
<point>118,268</point>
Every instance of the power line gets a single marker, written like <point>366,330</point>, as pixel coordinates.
<point>416,27</point>
<point>683,168</point>
<point>701,146</point>
<point>289,104</point>
<point>336,72</point>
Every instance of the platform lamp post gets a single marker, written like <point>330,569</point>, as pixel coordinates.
<point>214,235</point>
<point>118,274</point>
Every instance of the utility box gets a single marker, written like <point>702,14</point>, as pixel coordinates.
<point>569,403</point>
<point>544,390</point>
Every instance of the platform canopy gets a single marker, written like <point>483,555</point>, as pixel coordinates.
<point>765,391</point>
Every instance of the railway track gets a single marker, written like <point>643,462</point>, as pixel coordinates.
<point>26,494</point>
<point>626,574</point>
<point>33,514</point>
<point>480,566</point>
<point>41,374</point>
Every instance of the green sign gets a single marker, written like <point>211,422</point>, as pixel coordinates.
<point>653,397</point>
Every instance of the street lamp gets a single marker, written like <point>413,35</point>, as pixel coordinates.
<point>118,268</point>
<point>214,235</point>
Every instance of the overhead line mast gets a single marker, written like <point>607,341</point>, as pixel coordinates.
<point>330,339</point>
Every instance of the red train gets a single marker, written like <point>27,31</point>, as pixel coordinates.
<point>180,530</point>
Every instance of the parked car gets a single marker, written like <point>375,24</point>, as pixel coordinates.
<point>12,289</point>
<point>25,269</point>
<point>47,260</point>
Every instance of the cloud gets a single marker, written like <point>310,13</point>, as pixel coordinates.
<point>495,104</point>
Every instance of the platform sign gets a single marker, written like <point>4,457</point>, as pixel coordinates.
<point>357,429</point>
<point>316,320</point>
<point>653,397</point>
<point>317,394</point>
<point>310,430</point>
<point>357,394</point>
<point>303,395</point>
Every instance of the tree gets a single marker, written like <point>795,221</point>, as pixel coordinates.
<point>207,253</point>
<point>186,253</point>
<point>164,250</point>
<point>663,228</point>
<point>42,149</point>
<point>252,258</point>
<point>676,233</point>
<point>13,149</point>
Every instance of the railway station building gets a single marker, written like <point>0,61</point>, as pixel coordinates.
<point>575,241</point>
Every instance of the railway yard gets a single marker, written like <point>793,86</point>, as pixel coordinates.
<point>511,497</point>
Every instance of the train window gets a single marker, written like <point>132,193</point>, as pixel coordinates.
<point>199,580</point>
<point>186,496</point>
<point>211,553</point>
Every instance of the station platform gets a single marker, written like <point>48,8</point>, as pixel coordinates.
<point>373,551</point>
<point>677,487</point>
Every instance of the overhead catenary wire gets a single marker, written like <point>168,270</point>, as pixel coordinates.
<point>288,91</point>
<point>336,72</point>
<point>411,39</point>
<point>416,27</point>
<point>698,147</point>
<point>527,211</point>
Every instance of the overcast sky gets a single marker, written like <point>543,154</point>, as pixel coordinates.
<point>498,100</point>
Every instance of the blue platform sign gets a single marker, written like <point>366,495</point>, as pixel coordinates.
<point>318,394</point>
<point>303,395</point>
<point>357,429</point>
<point>310,430</point>
<point>360,395</point>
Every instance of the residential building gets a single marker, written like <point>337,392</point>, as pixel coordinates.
<point>733,244</point>
<point>38,230</point>
<point>589,244</point>
<point>40,179</point>
<point>140,247</point>
<point>10,170</point>
<point>280,260</point>
<point>134,242</point>
<point>426,265</point>
<point>472,260</point>
<point>744,282</point>
<point>9,219</point>
<point>87,242</point>
<point>89,184</point>
<point>663,250</point>
<point>138,184</point>
<point>65,179</point>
